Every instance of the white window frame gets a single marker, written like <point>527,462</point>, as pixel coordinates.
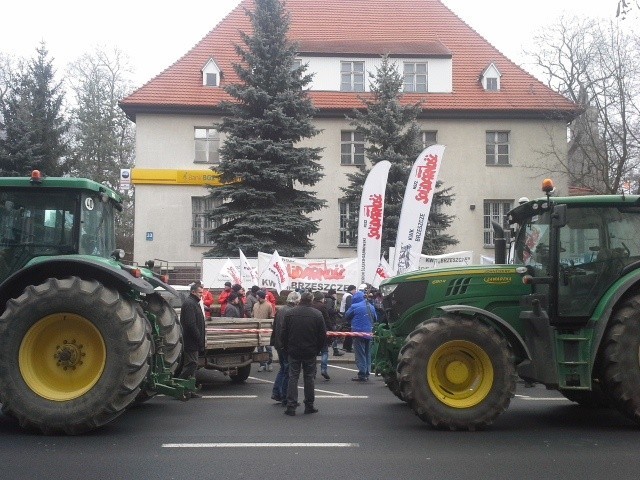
<point>352,75</point>
<point>495,210</point>
<point>352,148</point>
<point>497,147</point>
<point>415,77</point>
<point>201,224</point>
<point>206,145</point>
<point>492,84</point>
<point>428,138</point>
<point>347,212</point>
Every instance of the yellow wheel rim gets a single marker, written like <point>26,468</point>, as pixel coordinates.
<point>460,374</point>
<point>62,356</point>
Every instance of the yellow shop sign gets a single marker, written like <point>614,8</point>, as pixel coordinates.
<point>157,176</point>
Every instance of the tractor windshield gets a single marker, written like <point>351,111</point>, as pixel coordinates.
<point>97,233</point>
<point>35,223</point>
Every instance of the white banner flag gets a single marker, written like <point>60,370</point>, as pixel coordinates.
<point>415,209</point>
<point>275,275</point>
<point>248,273</point>
<point>370,217</point>
<point>383,271</point>
<point>229,273</point>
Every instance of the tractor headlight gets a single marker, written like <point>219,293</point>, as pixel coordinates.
<point>388,289</point>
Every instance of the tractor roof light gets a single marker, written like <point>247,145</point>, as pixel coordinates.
<point>547,185</point>
<point>36,176</point>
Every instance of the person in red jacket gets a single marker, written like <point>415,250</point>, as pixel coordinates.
<point>271,298</point>
<point>207,301</point>
<point>224,297</point>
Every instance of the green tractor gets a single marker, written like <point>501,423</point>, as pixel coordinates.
<point>82,335</point>
<point>563,311</point>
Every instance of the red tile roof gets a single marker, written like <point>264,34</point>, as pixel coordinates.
<point>343,25</point>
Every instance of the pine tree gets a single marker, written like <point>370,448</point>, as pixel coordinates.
<point>264,209</point>
<point>34,124</point>
<point>392,134</point>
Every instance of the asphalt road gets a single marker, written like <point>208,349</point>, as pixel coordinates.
<point>361,432</point>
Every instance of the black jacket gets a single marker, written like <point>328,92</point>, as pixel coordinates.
<point>192,320</point>
<point>303,333</point>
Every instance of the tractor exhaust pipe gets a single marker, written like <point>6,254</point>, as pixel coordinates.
<point>500,244</point>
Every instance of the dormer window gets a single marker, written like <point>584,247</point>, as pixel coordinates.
<point>490,78</point>
<point>211,74</point>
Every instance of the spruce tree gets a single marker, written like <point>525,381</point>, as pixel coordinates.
<point>392,134</point>
<point>34,124</point>
<point>264,208</point>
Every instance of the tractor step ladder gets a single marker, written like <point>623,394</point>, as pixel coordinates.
<point>573,352</point>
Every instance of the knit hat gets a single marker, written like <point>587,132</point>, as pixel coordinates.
<point>232,296</point>
<point>318,296</point>
<point>227,284</point>
<point>261,294</point>
<point>255,289</point>
<point>293,298</point>
<point>351,287</point>
<point>237,287</point>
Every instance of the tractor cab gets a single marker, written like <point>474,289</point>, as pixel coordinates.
<point>47,217</point>
<point>573,249</point>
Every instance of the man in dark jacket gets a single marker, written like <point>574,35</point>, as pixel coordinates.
<point>318,304</point>
<point>303,336</point>
<point>193,336</point>
<point>279,391</point>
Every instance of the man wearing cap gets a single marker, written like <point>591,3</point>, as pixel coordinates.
<point>224,297</point>
<point>279,391</point>
<point>303,335</point>
<point>234,308</point>
<point>263,310</point>
<point>250,301</point>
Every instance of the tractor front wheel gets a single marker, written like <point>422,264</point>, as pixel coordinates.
<point>621,358</point>
<point>456,373</point>
<point>73,354</point>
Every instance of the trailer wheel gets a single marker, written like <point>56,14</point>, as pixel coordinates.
<point>242,375</point>
<point>73,354</point>
<point>456,373</point>
<point>621,358</point>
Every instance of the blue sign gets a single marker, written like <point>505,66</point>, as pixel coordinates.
<point>149,236</point>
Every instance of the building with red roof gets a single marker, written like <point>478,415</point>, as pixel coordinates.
<point>498,122</point>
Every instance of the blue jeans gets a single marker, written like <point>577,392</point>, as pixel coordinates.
<point>324,358</point>
<point>362,350</point>
<point>282,378</point>
<point>269,350</point>
<point>309,373</point>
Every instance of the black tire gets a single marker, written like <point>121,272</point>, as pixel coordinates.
<point>456,373</point>
<point>621,364</point>
<point>73,354</point>
<point>170,330</point>
<point>391,381</point>
<point>242,375</point>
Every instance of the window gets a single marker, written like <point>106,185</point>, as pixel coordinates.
<point>297,63</point>
<point>495,210</point>
<point>351,148</point>
<point>352,76</point>
<point>492,83</point>
<point>415,77</point>
<point>211,79</point>
<point>207,142</point>
<point>348,212</point>
<point>201,224</point>
<point>429,137</point>
<point>497,150</point>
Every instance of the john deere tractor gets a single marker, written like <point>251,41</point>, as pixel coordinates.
<point>82,335</point>
<point>563,311</point>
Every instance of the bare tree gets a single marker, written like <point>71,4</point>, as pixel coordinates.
<point>102,136</point>
<point>625,6</point>
<point>596,65</point>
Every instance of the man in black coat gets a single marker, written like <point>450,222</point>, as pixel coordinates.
<point>303,336</point>
<point>193,336</point>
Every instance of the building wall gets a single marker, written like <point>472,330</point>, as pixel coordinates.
<point>166,141</point>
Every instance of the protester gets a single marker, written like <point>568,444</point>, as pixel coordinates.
<point>263,310</point>
<point>193,333</point>
<point>239,291</point>
<point>303,336</point>
<point>331,301</point>
<point>234,307</point>
<point>344,306</point>
<point>223,297</point>
<point>271,298</point>
<point>279,392</point>
<point>250,301</point>
<point>362,315</point>
<point>318,304</point>
<point>207,301</point>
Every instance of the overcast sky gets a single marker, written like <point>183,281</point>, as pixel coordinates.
<point>155,34</point>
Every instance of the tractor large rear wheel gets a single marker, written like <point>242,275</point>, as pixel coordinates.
<point>73,354</point>
<point>621,358</point>
<point>456,373</point>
